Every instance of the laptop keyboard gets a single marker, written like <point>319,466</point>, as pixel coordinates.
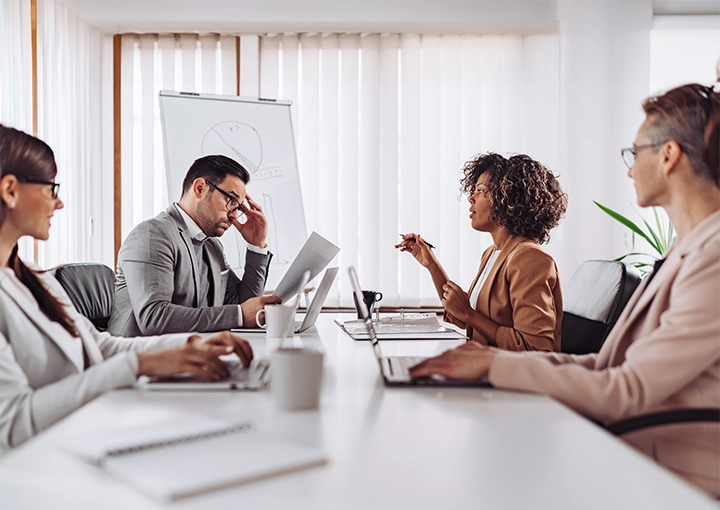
<point>256,371</point>
<point>400,365</point>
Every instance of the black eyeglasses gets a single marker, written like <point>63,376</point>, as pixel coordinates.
<point>55,185</point>
<point>628,154</point>
<point>232,204</point>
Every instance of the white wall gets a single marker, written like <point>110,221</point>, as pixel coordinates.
<point>604,75</point>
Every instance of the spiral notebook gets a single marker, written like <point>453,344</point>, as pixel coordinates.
<point>182,458</point>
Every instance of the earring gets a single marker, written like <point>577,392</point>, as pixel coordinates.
<point>12,204</point>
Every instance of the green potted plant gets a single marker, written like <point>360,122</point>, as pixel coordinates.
<point>661,238</point>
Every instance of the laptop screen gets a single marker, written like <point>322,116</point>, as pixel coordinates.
<point>367,319</point>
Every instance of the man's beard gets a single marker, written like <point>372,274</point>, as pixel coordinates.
<point>206,218</point>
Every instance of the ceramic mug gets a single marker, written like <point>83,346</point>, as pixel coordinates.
<point>279,320</point>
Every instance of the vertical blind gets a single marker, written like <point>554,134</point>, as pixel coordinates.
<point>69,95</point>
<point>383,124</point>
<point>16,70</point>
<point>151,63</point>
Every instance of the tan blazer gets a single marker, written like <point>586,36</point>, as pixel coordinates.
<point>663,354</point>
<point>521,293</point>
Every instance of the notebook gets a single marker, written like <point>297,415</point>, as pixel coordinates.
<point>191,456</point>
<point>395,369</point>
<point>313,310</point>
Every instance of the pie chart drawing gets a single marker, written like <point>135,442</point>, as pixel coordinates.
<point>235,140</point>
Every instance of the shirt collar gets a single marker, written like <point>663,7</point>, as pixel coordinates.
<point>194,231</point>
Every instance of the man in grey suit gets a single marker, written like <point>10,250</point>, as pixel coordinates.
<point>172,272</point>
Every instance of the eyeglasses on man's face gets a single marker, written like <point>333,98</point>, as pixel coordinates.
<point>55,185</point>
<point>232,204</point>
<point>629,154</point>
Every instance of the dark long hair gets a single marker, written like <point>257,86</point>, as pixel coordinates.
<point>27,157</point>
<point>690,115</point>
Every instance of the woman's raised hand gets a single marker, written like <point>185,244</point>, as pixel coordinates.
<point>415,244</point>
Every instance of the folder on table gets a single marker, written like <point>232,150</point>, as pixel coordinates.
<point>409,326</point>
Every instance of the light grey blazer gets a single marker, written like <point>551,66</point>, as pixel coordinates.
<point>41,365</point>
<point>156,290</point>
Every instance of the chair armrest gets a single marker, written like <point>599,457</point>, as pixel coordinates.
<point>664,418</point>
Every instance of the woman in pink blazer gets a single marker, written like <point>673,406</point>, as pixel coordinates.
<point>515,301</point>
<point>664,352</point>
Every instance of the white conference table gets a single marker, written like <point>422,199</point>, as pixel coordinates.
<point>386,447</point>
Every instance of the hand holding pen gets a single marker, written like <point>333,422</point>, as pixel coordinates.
<point>418,248</point>
<point>412,237</point>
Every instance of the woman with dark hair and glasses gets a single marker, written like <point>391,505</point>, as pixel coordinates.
<point>663,355</point>
<point>52,359</point>
<point>515,301</point>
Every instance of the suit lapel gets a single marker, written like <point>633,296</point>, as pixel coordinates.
<point>23,298</point>
<point>182,230</point>
<point>483,303</point>
<point>635,308</point>
<point>483,260</point>
<point>644,295</point>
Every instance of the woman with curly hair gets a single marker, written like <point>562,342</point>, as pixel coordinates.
<point>515,302</point>
<point>658,372</point>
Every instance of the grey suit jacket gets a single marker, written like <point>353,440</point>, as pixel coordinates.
<point>156,290</point>
<point>42,378</point>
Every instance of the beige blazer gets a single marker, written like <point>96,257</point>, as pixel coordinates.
<point>42,374</point>
<point>663,354</point>
<point>521,293</point>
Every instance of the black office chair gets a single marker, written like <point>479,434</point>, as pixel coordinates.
<point>704,415</point>
<point>593,300</point>
<point>91,288</point>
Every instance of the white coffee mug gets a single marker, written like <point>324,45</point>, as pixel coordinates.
<point>296,378</point>
<point>279,320</point>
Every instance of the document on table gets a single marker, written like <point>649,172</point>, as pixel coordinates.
<point>190,456</point>
<point>316,253</point>
<point>414,326</point>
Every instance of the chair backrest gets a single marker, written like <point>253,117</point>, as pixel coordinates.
<point>593,301</point>
<point>91,288</point>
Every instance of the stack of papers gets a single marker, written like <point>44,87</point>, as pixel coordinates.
<point>416,326</point>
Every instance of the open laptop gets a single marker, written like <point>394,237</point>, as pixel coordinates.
<point>254,377</point>
<point>395,369</point>
<point>313,311</point>
<point>318,300</point>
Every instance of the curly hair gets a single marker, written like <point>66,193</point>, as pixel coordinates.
<point>525,197</point>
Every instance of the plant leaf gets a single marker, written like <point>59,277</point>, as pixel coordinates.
<point>671,235</point>
<point>657,245</point>
<point>628,223</point>
<point>660,229</point>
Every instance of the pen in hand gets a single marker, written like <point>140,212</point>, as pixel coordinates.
<point>413,239</point>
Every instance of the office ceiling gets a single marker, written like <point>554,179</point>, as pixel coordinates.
<point>238,16</point>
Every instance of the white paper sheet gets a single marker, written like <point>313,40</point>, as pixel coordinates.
<point>314,256</point>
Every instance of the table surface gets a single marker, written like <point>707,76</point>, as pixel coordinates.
<point>386,447</point>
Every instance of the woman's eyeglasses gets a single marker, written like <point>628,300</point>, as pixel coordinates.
<point>55,185</point>
<point>628,154</point>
